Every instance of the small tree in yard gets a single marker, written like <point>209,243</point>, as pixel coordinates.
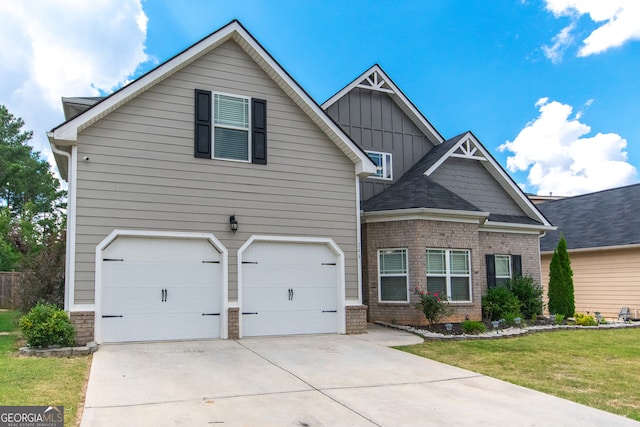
<point>560,293</point>
<point>43,275</point>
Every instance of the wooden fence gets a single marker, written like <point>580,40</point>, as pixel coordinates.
<point>9,289</point>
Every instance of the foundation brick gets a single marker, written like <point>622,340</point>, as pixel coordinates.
<point>84,322</point>
<point>234,323</point>
<point>356,316</point>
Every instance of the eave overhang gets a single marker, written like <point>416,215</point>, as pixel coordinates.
<point>473,217</point>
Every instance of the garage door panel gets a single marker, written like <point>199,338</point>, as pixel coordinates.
<point>161,288</point>
<point>134,326</point>
<point>289,288</point>
<point>259,275</point>
<point>280,323</point>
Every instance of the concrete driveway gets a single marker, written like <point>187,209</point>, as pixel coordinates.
<point>323,380</point>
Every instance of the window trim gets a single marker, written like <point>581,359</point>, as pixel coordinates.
<point>248,129</point>
<point>448,275</point>
<point>383,168</point>
<point>405,275</point>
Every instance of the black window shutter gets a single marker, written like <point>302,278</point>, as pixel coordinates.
<point>259,131</point>
<point>202,143</point>
<point>516,265</point>
<point>491,271</point>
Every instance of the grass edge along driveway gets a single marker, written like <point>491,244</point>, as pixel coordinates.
<point>597,368</point>
<point>35,381</point>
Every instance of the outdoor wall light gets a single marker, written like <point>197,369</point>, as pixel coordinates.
<point>233,223</point>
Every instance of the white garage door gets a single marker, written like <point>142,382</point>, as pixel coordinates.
<point>160,289</point>
<point>289,288</point>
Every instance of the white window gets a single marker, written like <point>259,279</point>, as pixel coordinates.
<point>393,280</point>
<point>503,269</point>
<point>231,120</point>
<point>449,272</point>
<point>383,163</point>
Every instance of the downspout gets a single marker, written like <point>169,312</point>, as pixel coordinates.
<point>359,239</point>
<point>70,239</point>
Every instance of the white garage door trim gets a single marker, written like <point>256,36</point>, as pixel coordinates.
<point>340,270</point>
<point>224,280</point>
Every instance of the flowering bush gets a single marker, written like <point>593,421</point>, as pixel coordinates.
<point>434,306</point>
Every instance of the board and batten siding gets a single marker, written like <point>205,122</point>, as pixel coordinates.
<point>375,122</point>
<point>142,173</point>
<point>603,280</point>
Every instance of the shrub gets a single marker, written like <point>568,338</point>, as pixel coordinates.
<point>46,325</point>
<point>509,318</point>
<point>528,293</point>
<point>560,292</point>
<point>559,318</point>
<point>473,327</point>
<point>498,303</point>
<point>585,320</point>
<point>434,306</point>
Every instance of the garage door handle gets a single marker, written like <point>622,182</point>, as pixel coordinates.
<point>106,316</point>
<point>329,311</point>
<point>211,314</point>
<point>164,295</point>
<point>290,294</point>
<point>249,312</point>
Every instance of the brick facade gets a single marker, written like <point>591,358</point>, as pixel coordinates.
<point>83,321</point>
<point>416,235</point>
<point>234,323</point>
<point>356,319</point>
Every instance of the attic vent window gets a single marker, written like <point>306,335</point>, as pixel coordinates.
<point>384,165</point>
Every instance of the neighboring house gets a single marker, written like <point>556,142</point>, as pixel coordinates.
<point>213,198</point>
<point>602,231</point>
<point>440,215</point>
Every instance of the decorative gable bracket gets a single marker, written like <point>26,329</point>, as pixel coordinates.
<point>467,149</point>
<point>375,81</point>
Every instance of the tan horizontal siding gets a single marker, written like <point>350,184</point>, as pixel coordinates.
<point>142,173</point>
<point>603,281</point>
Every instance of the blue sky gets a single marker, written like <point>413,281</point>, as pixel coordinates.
<point>550,87</point>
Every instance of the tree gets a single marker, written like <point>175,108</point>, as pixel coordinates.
<point>31,199</point>
<point>560,292</point>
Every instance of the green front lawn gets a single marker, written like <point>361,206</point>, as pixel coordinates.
<point>598,368</point>
<point>39,381</point>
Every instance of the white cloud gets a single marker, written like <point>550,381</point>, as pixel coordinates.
<point>65,48</point>
<point>561,43</point>
<point>619,22</point>
<point>562,160</point>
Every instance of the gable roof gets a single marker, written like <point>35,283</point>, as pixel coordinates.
<point>67,132</point>
<point>414,190</point>
<point>376,79</point>
<point>596,220</point>
<point>467,146</point>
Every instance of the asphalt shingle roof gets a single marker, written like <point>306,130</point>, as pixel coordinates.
<point>606,218</point>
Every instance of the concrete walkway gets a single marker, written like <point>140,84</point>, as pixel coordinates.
<point>323,380</point>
